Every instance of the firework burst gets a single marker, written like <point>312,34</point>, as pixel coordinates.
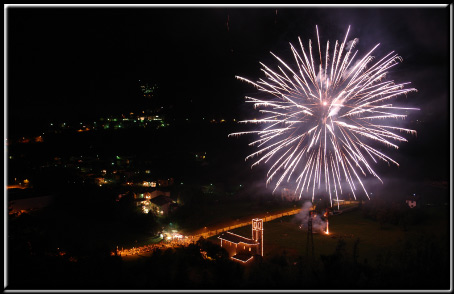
<point>322,120</point>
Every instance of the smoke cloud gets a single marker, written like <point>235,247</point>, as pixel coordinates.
<point>318,224</point>
<point>351,43</point>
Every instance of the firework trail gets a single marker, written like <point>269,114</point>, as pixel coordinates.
<point>321,119</point>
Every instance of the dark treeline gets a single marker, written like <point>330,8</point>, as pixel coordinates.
<point>418,264</point>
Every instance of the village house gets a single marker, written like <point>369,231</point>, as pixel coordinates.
<point>162,205</point>
<point>152,194</point>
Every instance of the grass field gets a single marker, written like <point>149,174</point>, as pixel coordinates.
<point>222,213</point>
<point>285,235</point>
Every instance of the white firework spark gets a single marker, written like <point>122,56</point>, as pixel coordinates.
<point>320,119</point>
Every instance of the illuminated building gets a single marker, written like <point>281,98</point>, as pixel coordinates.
<point>161,205</point>
<point>241,248</point>
<point>165,182</point>
<point>257,234</point>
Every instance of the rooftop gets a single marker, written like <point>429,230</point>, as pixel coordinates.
<point>243,257</point>
<point>161,200</point>
<point>234,238</point>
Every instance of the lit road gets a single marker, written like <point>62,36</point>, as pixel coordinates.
<point>204,232</point>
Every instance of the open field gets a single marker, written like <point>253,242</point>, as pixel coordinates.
<point>230,213</point>
<point>284,235</point>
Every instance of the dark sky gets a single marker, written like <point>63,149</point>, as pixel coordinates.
<point>80,63</point>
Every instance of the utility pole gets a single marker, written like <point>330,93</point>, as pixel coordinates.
<point>310,237</point>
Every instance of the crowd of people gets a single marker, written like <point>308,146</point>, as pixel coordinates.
<point>162,245</point>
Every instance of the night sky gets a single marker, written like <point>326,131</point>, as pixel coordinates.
<point>82,63</point>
